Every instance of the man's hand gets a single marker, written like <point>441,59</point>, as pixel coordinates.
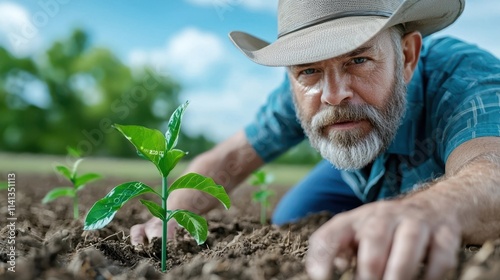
<point>390,238</point>
<point>229,163</point>
<point>144,233</point>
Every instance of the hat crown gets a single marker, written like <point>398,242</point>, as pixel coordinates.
<point>295,14</point>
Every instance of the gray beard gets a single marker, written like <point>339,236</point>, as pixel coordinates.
<point>350,150</point>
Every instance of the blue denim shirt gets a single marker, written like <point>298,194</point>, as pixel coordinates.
<point>453,97</point>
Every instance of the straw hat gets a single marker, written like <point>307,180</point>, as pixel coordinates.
<point>314,30</point>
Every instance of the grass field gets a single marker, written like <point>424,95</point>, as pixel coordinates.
<point>123,168</point>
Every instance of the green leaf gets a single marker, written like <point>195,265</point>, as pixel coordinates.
<point>154,209</point>
<point>63,170</point>
<point>260,178</point>
<point>73,152</point>
<point>84,179</point>
<point>174,126</point>
<point>4,185</point>
<point>170,160</point>
<point>150,143</point>
<point>194,224</point>
<point>262,195</point>
<point>103,211</point>
<point>202,183</point>
<point>58,192</point>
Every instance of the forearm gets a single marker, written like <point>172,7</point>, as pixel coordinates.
<point>471,196</point>
<point>390,238</point>
<point>229,163</point>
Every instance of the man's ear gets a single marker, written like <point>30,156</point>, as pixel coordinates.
<point>411,45</point>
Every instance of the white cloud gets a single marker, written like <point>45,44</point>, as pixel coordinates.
<point>223,88</point>
<point>190,54</point>
<point>222,5</point>
<point>17,33</point>
<point>195,51</point>
<point>219,113</point>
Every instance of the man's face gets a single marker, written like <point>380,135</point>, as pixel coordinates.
<point>351,106</point>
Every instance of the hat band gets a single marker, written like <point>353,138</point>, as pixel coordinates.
<point>336,16</point>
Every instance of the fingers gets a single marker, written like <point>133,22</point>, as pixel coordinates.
<point>343,260</point>
<point>389,245</point>
<point>325,245</point>
<point>374,248</point>
<point>408,250</point>
<point>137,234</point>
<point>153,229</point>
<point>171,229</point>
<point>443,251</point>
<point>144,233</point>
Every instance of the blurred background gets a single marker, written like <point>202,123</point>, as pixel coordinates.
<point>71,68</point>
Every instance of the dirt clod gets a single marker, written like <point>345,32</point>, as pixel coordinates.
<point>51,245</point>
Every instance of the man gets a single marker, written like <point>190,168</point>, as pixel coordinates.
<point>412,130</point>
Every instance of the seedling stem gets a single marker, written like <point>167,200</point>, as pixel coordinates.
<point>160,150</point>
<point>164,194</point>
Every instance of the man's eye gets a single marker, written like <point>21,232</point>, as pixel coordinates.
<point>308,71</point>
<point>359,60</point>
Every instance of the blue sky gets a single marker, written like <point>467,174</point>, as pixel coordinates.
<point>187,39</point>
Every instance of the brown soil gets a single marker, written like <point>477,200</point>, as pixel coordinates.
<point>51,245</point>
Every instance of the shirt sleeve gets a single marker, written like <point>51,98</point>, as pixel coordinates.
<point>275,128</point>
<point>467,99</point>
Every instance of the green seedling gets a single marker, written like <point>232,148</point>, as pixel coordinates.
<point>4,185</point>
<point>262,180</point>
<point>160,150</point>
<point>78,182</point>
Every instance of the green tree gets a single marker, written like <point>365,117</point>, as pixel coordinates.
<point>71,94</point>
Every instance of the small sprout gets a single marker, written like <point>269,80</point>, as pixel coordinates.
<point>78,182</point>
<point>262,180</point>
<point>160,150</point>
<point>4,185</point>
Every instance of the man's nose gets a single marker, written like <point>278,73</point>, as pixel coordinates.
<point>336,90</point>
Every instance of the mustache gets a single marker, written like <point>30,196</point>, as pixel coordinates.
<point>346,113</point>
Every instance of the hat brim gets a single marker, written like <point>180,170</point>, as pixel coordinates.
<point>343,35</point>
